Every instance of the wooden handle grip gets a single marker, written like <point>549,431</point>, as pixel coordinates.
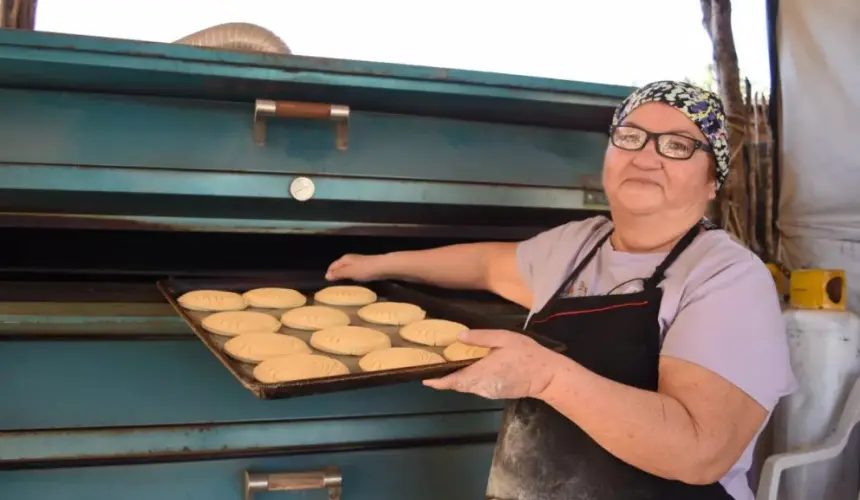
<point>267,108</point>
<point>311,110</point>
<point>293,481</point>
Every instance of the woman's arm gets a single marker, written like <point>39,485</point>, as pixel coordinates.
<point>476,266</point>
<point>692,430</point>
<point>507,269</point>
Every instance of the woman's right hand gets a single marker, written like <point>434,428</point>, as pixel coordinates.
<point>356,267</point>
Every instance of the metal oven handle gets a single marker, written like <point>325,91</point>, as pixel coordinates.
<point>339,114</point>
<point>328,478</point>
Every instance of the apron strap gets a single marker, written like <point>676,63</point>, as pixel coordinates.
<point>584,262</point>
<point>685,241</point>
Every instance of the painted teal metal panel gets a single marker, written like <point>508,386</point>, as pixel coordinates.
<point>97,180</point>
<point>161,134</point>
<point>434,473</point>
<point>186,160</point>
<point>185,157</point>
<point>64,384</point>
<point>220,201</point>
<point>89,48</point>
<point>175,134</point>
<point>59,61</point>
<point>175,442</point>
<point>107,320</point>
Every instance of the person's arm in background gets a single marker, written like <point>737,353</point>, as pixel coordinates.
<point>477,266</point>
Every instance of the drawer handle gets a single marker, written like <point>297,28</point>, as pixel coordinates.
<point>329,478</point>
<point>265,109</point>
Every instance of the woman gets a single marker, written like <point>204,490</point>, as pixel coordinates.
<point>676,352</point>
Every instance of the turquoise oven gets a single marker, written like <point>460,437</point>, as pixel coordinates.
<point>122,163</point>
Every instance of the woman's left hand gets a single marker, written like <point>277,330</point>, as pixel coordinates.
<point>516,367</point>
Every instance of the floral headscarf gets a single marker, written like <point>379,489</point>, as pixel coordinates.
<point>703,107</point>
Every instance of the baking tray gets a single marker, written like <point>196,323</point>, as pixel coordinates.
<point>309,283</point>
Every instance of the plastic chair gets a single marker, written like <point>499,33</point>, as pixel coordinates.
<point>832,446</point>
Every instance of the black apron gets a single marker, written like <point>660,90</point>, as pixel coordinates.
<point>540,454</point>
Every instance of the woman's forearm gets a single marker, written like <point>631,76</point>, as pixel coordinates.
<point>648,430</point>
<point>461,266</point>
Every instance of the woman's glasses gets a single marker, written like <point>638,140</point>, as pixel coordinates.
<point>672,146</point>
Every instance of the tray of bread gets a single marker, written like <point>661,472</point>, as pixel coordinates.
<point>299,334</point>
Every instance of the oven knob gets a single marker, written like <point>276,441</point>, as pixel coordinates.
<point>302,188</point>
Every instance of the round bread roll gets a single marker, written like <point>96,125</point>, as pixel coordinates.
<point>257,347</point>
<point>459,351</point>
<point>274,298</point>
<point>211,300</point>
<point>232,323</point>
<point>298,367</point>
<point>350,340</point>
<point>398,357</point>
<point>391,313</point>
<point>345,295</point>
<point>432,332</point>
<point>314,318</point>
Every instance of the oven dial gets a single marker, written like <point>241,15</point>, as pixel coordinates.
<point>302,188</point>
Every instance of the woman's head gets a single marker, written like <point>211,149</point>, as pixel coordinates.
<point>667,150</point>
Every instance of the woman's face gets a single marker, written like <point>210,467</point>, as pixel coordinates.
<point>644,182</point>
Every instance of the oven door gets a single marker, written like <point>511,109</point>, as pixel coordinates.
<point>430,472</point>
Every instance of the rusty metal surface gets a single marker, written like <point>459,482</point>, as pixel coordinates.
<point>308,283</point>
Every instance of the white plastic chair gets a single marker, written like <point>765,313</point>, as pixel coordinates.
<point>832,446</point>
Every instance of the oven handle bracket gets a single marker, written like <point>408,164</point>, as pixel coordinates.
<point>265,109</point>
<point>329,478</point>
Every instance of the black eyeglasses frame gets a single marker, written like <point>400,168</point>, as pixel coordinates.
<point>649,136</point>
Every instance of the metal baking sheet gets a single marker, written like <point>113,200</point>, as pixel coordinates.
<point>308,284</point>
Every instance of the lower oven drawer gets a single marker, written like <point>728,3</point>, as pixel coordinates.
<point>129,383</point>
<point>450,472</point>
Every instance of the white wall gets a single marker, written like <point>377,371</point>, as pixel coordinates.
<point>819,58</point>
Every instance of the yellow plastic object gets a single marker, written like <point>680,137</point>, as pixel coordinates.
<point>818,289</point>
<point>780,279</point>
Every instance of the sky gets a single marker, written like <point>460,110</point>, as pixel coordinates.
<point>625,42</point>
